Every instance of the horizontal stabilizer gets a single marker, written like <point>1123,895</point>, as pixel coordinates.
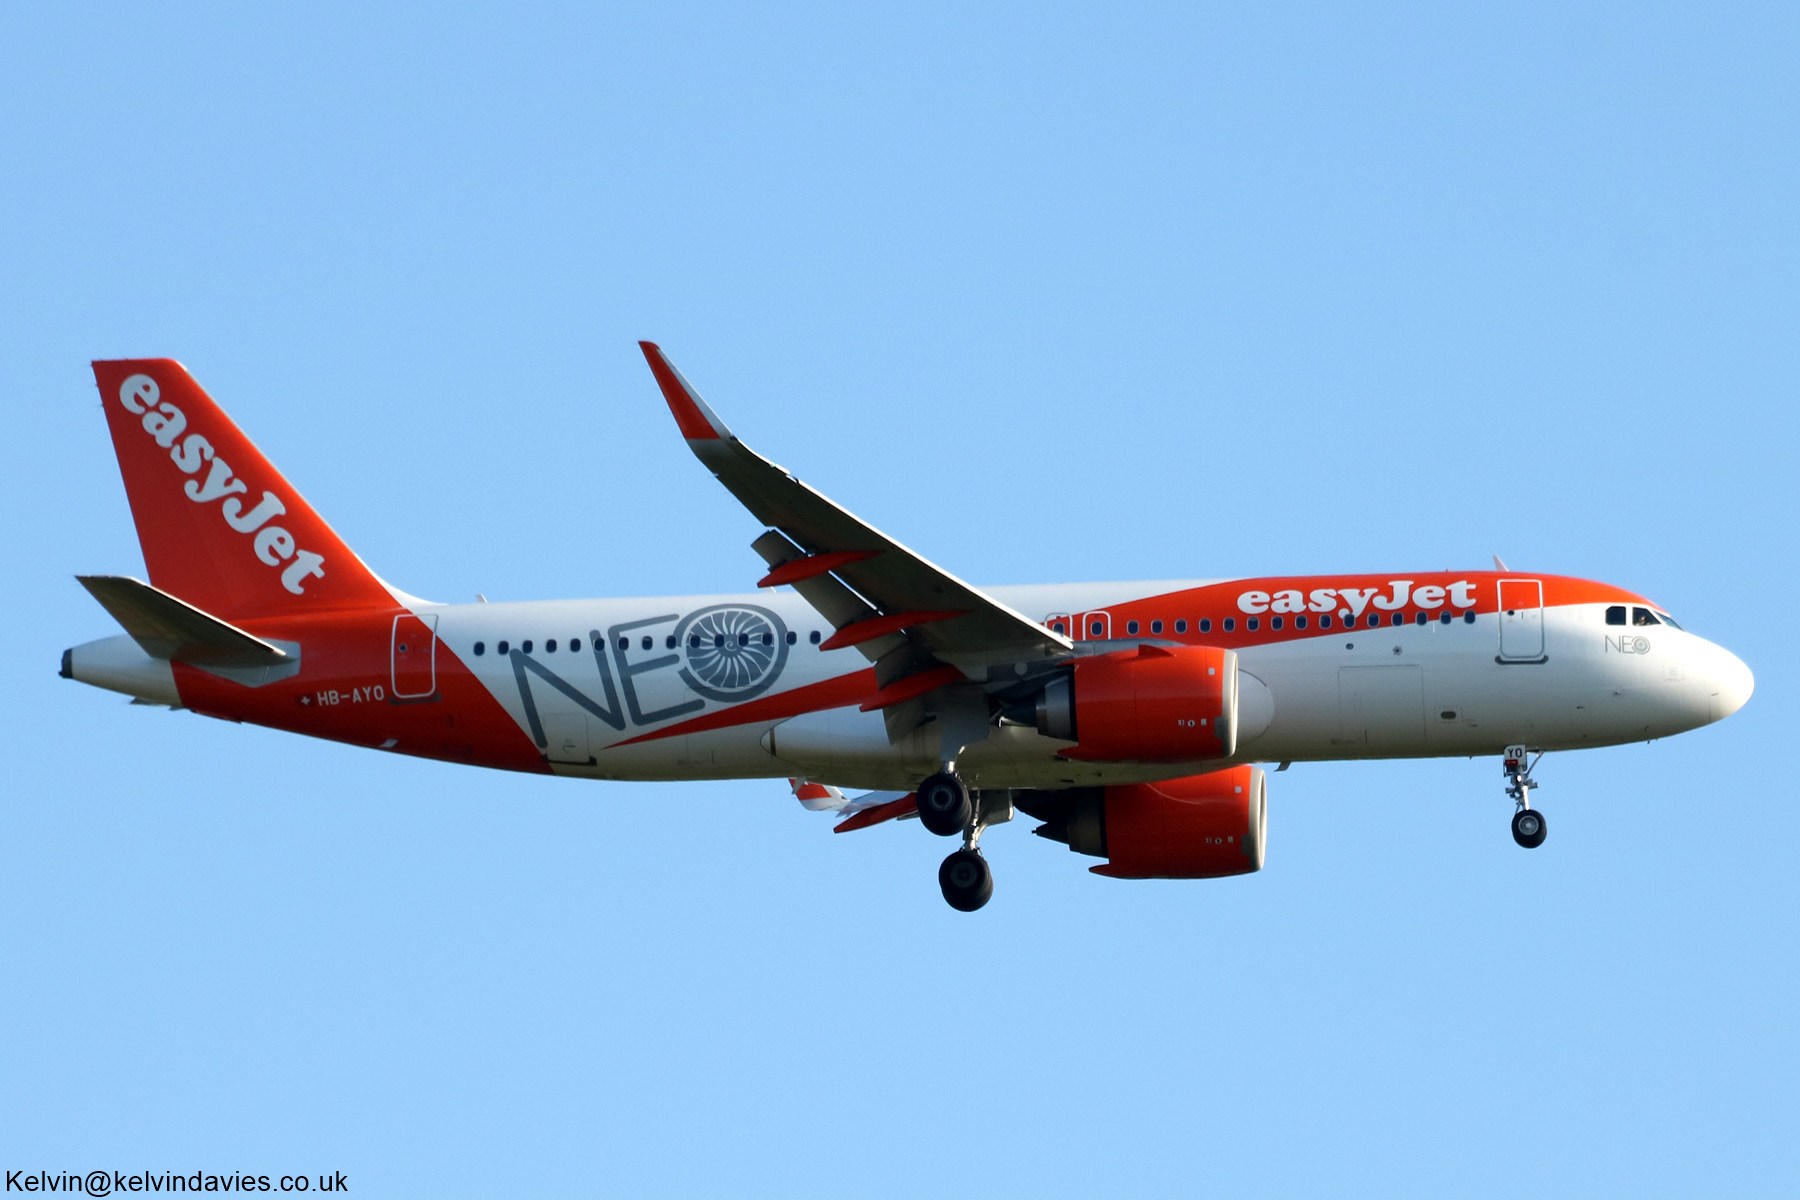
<point>176,631</point>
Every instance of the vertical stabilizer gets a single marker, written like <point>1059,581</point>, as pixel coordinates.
<point>220,527</point>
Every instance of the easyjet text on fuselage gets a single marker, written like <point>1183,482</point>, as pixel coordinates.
<point>1354,601</point>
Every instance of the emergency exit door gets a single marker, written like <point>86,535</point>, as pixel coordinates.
<point>414,658</point>
<point>1521,620</point>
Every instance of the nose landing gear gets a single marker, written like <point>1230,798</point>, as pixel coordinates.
<point>1528,827</point>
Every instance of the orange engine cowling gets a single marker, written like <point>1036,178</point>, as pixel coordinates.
<point>1148,704</point>
<point>1196,827</point>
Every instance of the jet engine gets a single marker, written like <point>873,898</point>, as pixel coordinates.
<point>1148,704</point>
<point>1197,827</point>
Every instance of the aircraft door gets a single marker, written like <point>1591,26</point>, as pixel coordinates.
<point>1521,620</point>
<point>413,660</point>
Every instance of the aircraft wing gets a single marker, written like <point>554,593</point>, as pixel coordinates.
<point>904,612</point>
<point>855,812</point>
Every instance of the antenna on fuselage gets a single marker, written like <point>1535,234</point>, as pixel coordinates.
<point>1500,566</point>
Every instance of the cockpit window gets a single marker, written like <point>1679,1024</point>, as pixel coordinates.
<point>1667,620</point>
<point>1615,615</point>
<point>1643,616</point>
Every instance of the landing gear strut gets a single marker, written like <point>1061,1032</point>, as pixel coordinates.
<point>1528,827</point>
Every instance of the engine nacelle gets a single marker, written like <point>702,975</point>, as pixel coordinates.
<point>1197,827</point>
<point>1148,704</point>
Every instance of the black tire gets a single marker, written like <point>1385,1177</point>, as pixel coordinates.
<point>966,880</point>
<point>944,805</point>
<point>1529,828</point>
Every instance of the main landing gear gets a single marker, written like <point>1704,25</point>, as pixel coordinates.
<point>1528,828</point>
<point>966,880</point>
<point>944,804</point>
<point>947,808</point>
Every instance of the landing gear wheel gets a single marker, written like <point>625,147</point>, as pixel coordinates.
<point>1528,828</point>
<point>966,880</point>
<point>944,805</point>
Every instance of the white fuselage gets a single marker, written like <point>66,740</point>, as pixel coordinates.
<point>1411,690</point>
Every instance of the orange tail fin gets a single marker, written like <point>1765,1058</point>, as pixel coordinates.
<point>220,527</point>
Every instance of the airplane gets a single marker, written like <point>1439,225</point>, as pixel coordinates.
<point>1129,719</point>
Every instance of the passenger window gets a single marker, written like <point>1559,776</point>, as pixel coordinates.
<point>1274,622</point>
<point>1324,622</point>
<point>480,649</point>
<point>768,639</point>
<point>1056,627</point>
<point>550,646</point>
<point>1444,619</point>
<point>1131,627</point>
<point>1156,627</point>
<point>792,638</point>
<point>1399,619</point>
<point>1615,615</point>
<point>1252,624</point>
<point>624,642</point>
<point>693,641</point>
<point>718,641</point>
<point>813,637</point>
<point>1299,622</point>
<point>525,646</point>
<point>574,645</point>
<point>1643,616</point>
<point>1094,628</point>
<point>648,642</point>
<point>1181,625</point>
<point>1230,624</point>
<point>501,648</point>
<point>1420,619</point>
<point>1374,620</point>
<point>1468,618</point>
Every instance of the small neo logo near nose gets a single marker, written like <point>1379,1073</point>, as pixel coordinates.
<point>1628,645</point>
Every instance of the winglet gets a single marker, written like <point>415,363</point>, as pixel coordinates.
<point>698,423</point>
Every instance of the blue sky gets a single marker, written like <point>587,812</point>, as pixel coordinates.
<point>1048,292</point>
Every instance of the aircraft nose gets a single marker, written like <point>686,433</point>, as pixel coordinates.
<point>1731,682</point>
